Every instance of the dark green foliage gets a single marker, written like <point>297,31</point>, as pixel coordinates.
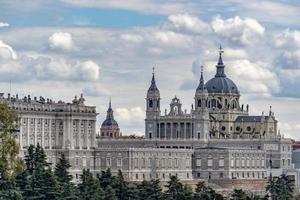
<point>110,194</point>
<point>149,190</point>
<point>64,179</point>
<point>89,187</point>
<point>106,179</point>
<point>176,190</point>
<point>120,186</point>
<point>8,189</point>
<point>280,188</point>
<point>239,194</point>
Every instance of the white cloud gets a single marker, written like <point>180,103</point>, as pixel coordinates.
<point>3,24</point>
<point>186,23</point>
<point>96,90</point>
<point>132,38</point>
<point>287,38</point>
<point>89,70</point>
<point>61,40</point>
<point>130,118</point>
<point>238,30</point>
<point>7,51</point>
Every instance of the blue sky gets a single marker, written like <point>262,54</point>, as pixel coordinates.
<point>108,48</point>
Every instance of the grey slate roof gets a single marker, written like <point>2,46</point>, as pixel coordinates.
<point>251,118</point>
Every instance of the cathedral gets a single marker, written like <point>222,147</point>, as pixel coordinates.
<point>216,113</point>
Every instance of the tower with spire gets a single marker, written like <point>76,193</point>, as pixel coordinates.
<point>152,107</point>
<point>110,127</point>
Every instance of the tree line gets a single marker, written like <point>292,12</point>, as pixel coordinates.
<point>34,178</point>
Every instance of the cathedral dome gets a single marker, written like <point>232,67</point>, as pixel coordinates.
<point>220,83</point>
<point>109,122</point>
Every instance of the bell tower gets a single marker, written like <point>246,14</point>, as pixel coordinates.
<point>152,108</point>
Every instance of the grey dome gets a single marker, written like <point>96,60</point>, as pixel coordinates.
<point>221,85</point>
<point>109,122</point>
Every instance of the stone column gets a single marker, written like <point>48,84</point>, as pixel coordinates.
<point>28,130</point>
<point>171,130</point>
<point>43,133</point>
<point>50,133</point>
<point>184,130</point>
<point>35,132</point>
<point>165,124</point>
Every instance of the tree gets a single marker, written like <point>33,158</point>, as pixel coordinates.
<point>110,194</point>
<point>10,163</point>
<point>285,188</point>
<point>38,181</point>
<point>120,186</point>
<point>150,190</point>
<point>105,179</point>
<point>280,187</point>
<point>8,189</point>
<point>239,194</point>
<point>89,187</point>
<point>201,191</point>
<point>64,179</point>
<point>174,189</point>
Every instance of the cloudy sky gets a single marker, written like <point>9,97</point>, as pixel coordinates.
<point>61,48</point>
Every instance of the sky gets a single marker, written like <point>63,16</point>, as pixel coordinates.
<point>61,48</point>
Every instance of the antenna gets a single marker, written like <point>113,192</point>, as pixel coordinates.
<point>10,86</point>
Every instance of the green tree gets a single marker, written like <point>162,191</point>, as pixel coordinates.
<point>121,187</point>
<point>201,191</point>
<point>106,179</point>
<point>38,181</point>
<point>8,189</point>
<point>10,163</point>
<point>271,187</point>
<point>64,179</point>
<point>150,190</point>
<point>174,189</point>
<point>285,188</point>
<point>239,194</point>
<point>89,187</point>
<point>110,194</point>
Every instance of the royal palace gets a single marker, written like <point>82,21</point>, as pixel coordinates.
<point>217,139</point>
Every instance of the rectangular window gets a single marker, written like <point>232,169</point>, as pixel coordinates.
<point>232,163</point>
<point>119,162</point>
<point>198,162</point>
<point>221,162</point>
<point>108,162</point>
<point>209,162</point>
<point>135,163</point>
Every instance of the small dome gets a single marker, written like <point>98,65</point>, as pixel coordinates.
<point>221,85</point>
<point>109,122</point>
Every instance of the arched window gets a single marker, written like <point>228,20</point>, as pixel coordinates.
<point>199,103</point>
<point>150,135</point>
<point>150,103</point>
<point>199,135</point>
<point>214,103</point>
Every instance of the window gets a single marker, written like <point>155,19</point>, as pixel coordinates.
<point>108,162</point>
<point>119,162</point>
<point>198,174</point>
<point>221,162</point>
<point>150,103</point>
<point>223,128</point>
<point>221,174</point>
<point>83,162</point>
<point>135,163</point>
<point>136,176</point>
<point>209,162</point>
<point>248,128</point>
<point>198,162</point>
<point>232,162</point>
<point>199,103</point>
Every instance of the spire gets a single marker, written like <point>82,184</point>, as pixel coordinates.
<point>153,86</point>
<point>220,66</point>
<point>201,85</point>
<point>110,112</point>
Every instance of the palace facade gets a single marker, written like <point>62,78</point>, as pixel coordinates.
<point>217,139</point>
